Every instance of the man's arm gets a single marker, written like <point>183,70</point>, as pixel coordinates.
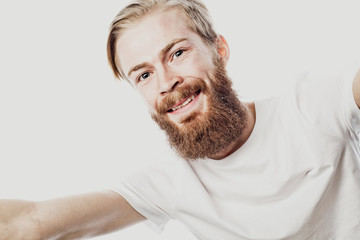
<point>356,88</point>
<point>74,217</point>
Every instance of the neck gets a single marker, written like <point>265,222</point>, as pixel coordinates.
<point>235,145</point>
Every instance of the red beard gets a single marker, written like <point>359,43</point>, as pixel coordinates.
<point>202,135</point>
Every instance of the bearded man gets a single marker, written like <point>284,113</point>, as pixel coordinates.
<point>292,175</point>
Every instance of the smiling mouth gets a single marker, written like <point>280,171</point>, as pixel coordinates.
<point>185,102</point>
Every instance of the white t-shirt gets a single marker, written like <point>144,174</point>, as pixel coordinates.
<point>297,176</point>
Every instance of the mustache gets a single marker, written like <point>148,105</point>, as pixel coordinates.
<point>180,92</point>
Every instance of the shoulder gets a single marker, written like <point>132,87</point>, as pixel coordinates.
<point>325,99</point>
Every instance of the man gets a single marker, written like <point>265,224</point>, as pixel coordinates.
<point>292,175</point>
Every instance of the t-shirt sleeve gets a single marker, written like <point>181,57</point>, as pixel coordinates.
<point>327,103</point>
<point>151,193</point>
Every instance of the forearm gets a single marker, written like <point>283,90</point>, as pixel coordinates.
<point>16,221</point>
<point>356,88</point>
<point>74,217</point>
<point>85,215</point>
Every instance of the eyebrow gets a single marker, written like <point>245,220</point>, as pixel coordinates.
<point>163,52</point>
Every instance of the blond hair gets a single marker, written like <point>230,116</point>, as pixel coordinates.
<point>195,13</point>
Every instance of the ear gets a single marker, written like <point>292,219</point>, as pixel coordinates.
<point>223,49</point>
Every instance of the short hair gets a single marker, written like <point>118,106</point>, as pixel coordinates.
<point>195,13</point>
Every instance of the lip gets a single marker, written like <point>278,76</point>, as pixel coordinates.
<point>182,101</point>
<point>188,106</point>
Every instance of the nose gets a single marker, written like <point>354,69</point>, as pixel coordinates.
<point>168,81</point>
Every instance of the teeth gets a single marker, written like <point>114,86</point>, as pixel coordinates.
<point>184,103</point>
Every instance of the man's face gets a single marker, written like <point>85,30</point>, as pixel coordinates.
<point>183,82</point>
<point>161,54</point>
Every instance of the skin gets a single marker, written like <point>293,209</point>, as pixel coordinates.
<point>168,56</point>
<point>356,88</point>
<point>165,70</point>
<point>74,217</point>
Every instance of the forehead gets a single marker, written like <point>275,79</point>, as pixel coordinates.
<point>145,39</point>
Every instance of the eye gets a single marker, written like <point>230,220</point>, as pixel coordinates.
<point>143,76</point>
<point>177,54</point>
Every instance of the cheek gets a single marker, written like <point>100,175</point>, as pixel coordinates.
<point>199,65</point>
<point>150,98</point>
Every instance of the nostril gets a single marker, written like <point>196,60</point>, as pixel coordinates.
<point>175,84</point>
<point>172,87</point>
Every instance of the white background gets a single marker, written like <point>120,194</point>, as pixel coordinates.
<point>67,126</point>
